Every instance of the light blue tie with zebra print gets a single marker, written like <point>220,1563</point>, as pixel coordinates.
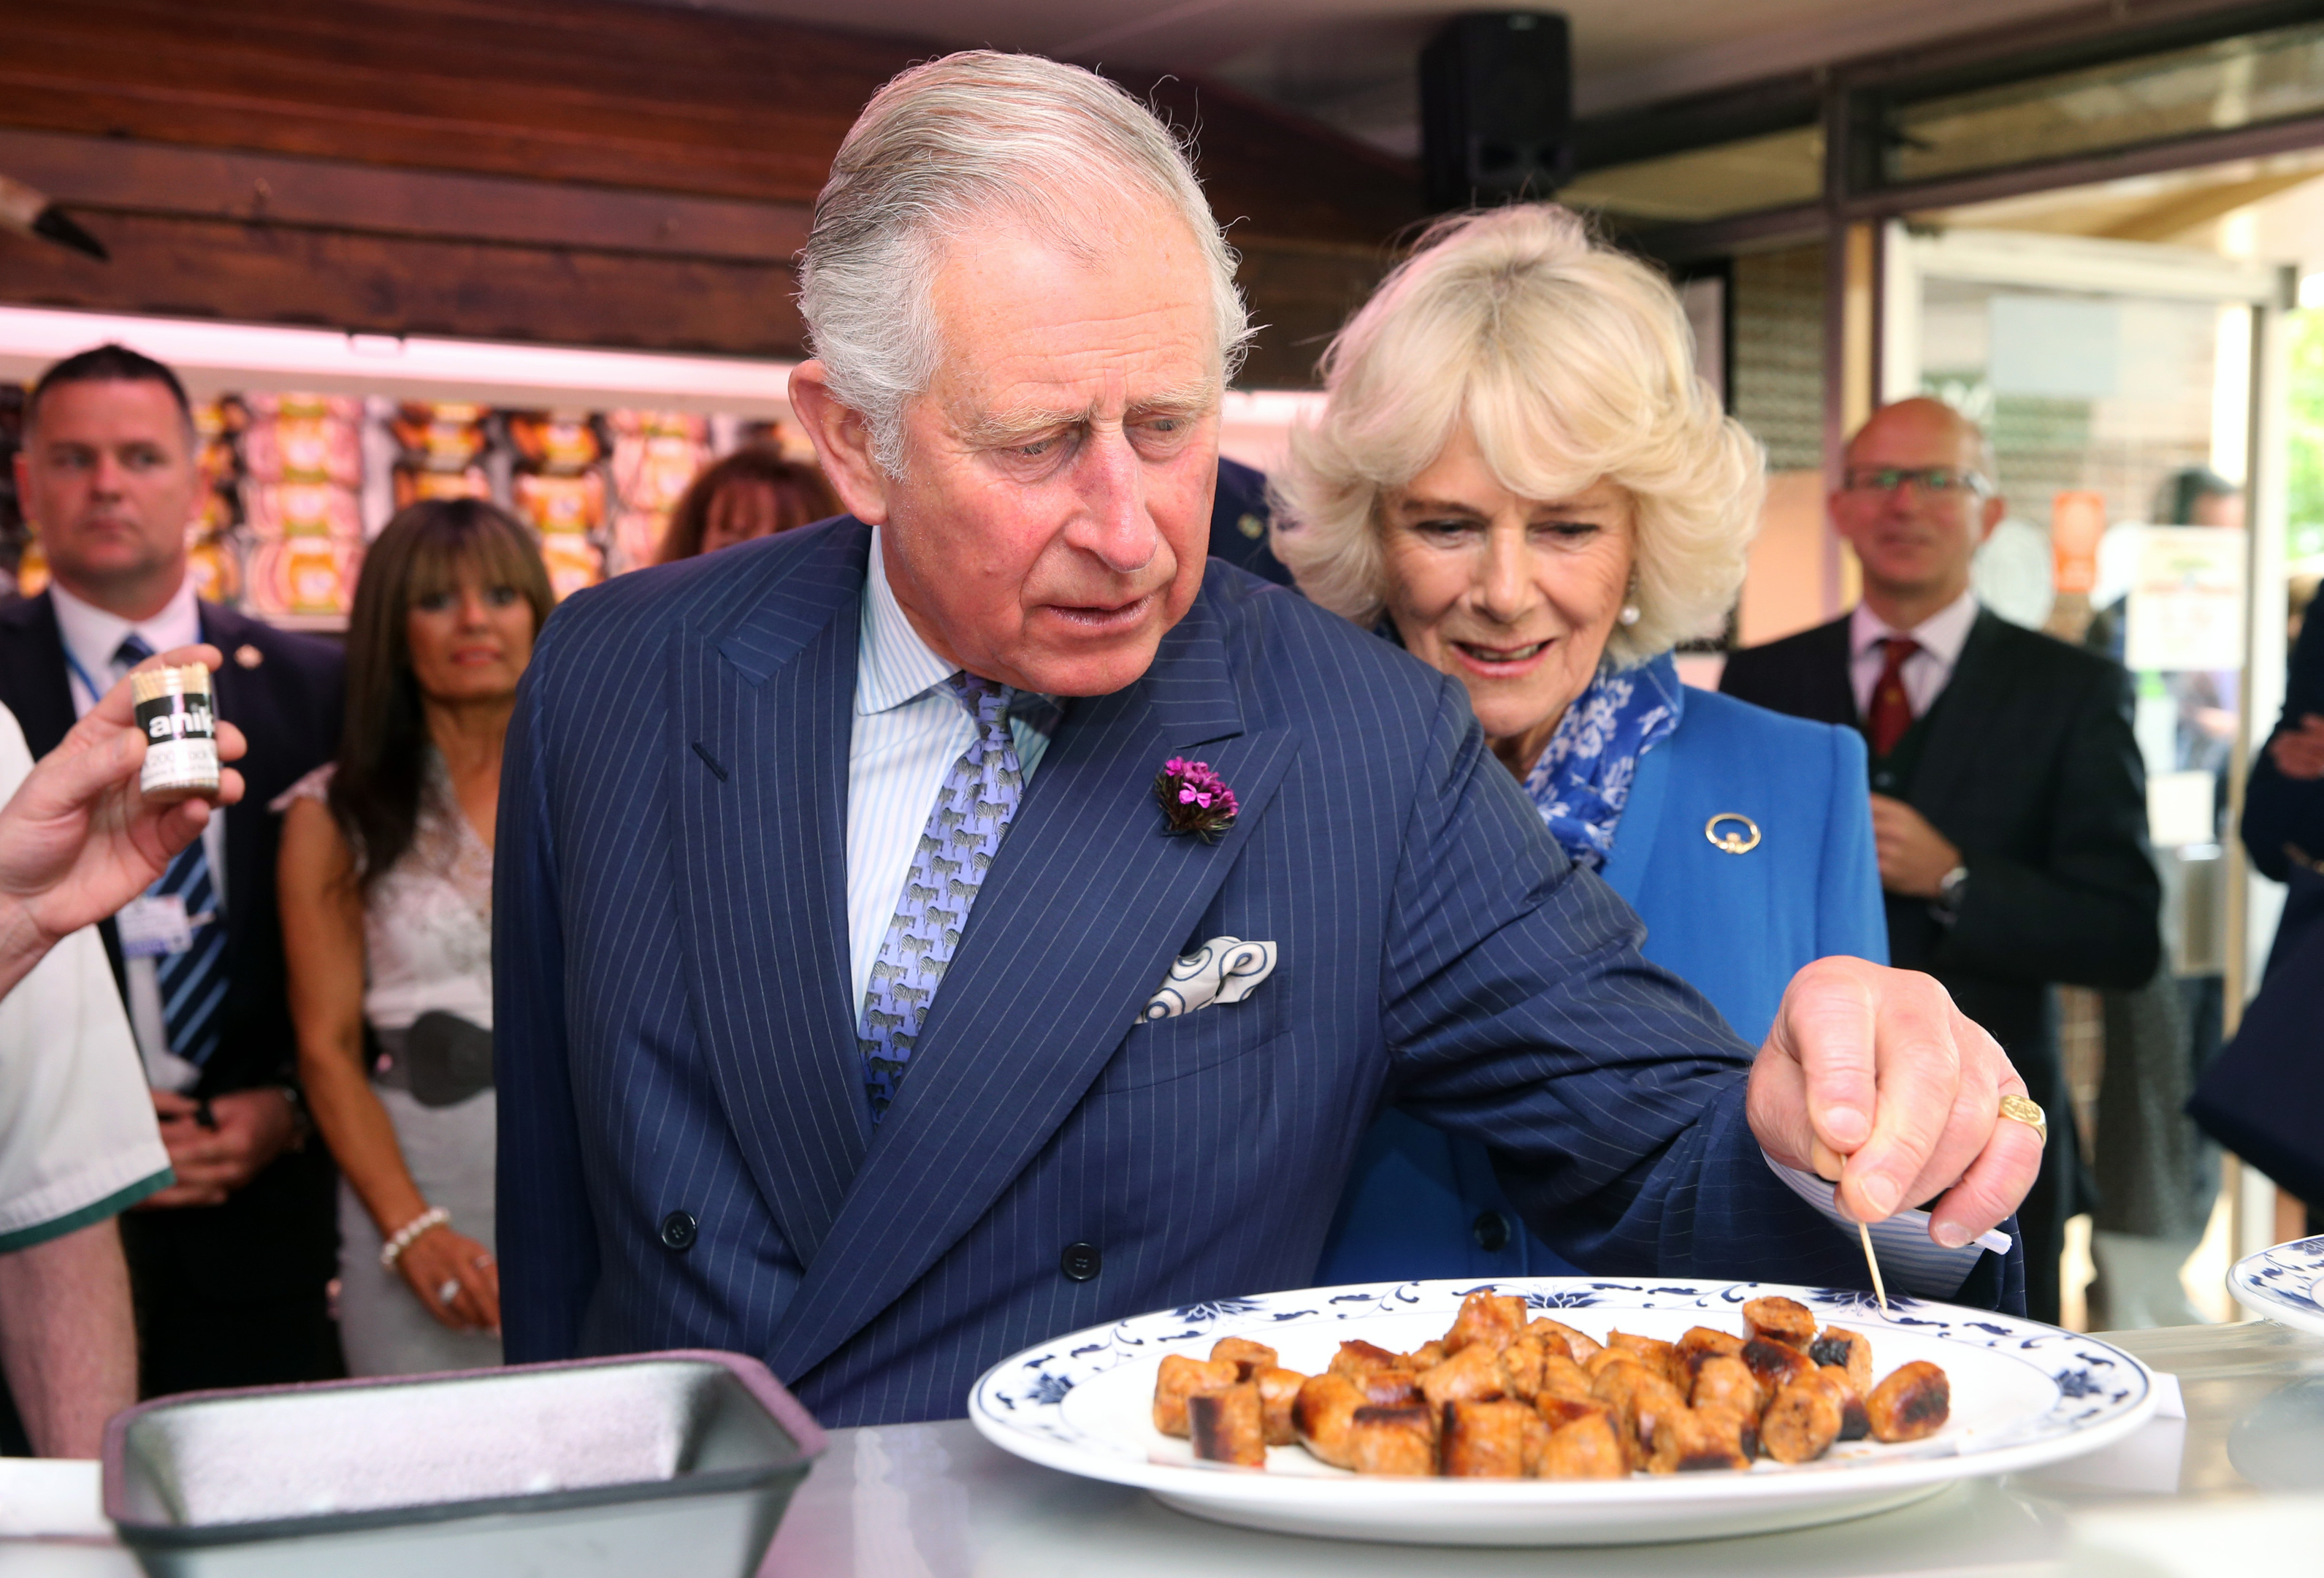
<point>972,809</point>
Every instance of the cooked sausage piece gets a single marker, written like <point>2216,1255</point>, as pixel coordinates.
<point>1802,1422</point>
<point>1849,1351</point>
<point>1579,1345</point>
<point>1401,1440</point>
<point>1250,1356</point>
<point>1693,1439</point>
<point>1855,1423</point>
<point>1279,1389</point>
<point>1701,1343</point>
<point>1229,1426</point>
<point>1641,1400</point>
<point>1774,1363</point>
<point>1180,1379</point>
<point>1780,1320</point>
<point>1537,1360</point>
<point>1589,1447</point>
<point>1492,1440</point>
<point>1357,1357</point>
<point>1915,1402</point>
<point>1487,1317</point>
<point>1725,1382</point>
<point>1598,1363</point>
<point>1387,1388</point>
<point>1658,1354</point>
<point>1427,1356</point>
<point>1472,1374</point>
<point>1557,1412</point>
<point>1321,1415</point>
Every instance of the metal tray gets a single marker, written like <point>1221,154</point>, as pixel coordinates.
<point>663,1463</point>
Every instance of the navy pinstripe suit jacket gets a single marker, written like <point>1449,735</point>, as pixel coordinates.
<point>675,1031</point>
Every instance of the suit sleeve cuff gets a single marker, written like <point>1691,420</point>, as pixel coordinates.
<point>1910,1260</point>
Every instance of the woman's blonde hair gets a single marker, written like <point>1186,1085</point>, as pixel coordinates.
<point>1568,361</point>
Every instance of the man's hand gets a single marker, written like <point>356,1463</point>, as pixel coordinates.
<point>2300,753</point>
<point>211,1163</point>
<point>78,840</point>
<point>1913,857</point>
<point>1872,1075</point>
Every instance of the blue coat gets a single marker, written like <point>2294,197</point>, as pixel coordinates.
<point>686,1157</point>
<point>1421,1203</point>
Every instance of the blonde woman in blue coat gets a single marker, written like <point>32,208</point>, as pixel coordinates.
<point>1519,477</point>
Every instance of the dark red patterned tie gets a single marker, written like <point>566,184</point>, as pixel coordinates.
<point>1891,712</point>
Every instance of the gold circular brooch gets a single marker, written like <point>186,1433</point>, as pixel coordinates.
<point>1732,842</point>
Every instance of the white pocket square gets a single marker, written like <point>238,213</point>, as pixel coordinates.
<point>1225,969</point>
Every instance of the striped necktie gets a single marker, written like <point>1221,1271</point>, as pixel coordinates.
<point>972,810</point>
<point>192,984</point>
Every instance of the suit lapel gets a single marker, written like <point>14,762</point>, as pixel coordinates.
<point>757,767</point>
<point>1832,689</point>
<point>38,690</point>
<point>239,695</point>
<point>1962,722</point>
<point>1083,908</point>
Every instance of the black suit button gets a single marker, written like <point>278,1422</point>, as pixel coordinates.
<point>1491,1232</point>
<point>678,1229</point>
<point>1080,1263</point>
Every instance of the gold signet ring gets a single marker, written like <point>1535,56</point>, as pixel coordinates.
<point>1741,835</point>
<point>2028,1113</point>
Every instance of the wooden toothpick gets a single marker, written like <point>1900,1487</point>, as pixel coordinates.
<point>1864,1232</point>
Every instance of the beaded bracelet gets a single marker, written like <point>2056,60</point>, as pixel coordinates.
<point>390,1252</point>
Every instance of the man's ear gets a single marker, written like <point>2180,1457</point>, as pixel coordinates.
<point>1996,507</point>
<point>842,442</point>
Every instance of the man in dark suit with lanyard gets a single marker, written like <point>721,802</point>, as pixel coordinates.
<point>2008,800</point>
<point>229,1266</point>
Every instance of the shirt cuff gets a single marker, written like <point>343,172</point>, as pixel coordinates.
<point>1910,1258</point>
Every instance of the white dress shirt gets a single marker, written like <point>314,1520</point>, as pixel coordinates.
<point>1941,636</point>
<point>908,730</point>
<point>77,1137</point>
<point>91,636</point>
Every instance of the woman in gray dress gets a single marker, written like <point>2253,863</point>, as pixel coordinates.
<point>386,885</point>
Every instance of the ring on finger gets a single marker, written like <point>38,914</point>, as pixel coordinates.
<point>448,1292</point>
<point>2023,1109</point>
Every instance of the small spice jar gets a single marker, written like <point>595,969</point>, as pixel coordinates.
<point>180,728</point>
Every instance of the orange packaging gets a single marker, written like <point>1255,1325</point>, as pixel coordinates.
<point>2077,522</point>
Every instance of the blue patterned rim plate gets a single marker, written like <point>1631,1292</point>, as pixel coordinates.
<point>2285,1284</point>
<point>2024,1393</point>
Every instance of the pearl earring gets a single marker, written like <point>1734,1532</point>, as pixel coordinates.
<point>1629,613</point>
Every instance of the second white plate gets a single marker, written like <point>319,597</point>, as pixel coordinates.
<point>2024,1393</point>
<point>2285,1284</point>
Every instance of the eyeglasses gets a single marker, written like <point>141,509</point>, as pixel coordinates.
<point>1931,479</point>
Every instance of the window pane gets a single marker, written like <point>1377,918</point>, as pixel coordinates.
<point>1773,171</point>
<point>2216,87</point>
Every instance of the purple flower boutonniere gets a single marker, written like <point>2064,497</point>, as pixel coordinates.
<point>1195,799</point>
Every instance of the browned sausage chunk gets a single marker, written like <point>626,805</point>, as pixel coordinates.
<point>1912,1402</point>
<point>1385,1389</point>
<point>1537,1362</point>
<point>1848,1350</point>
<point>1774,1363</point>
<point>1641,1400</point>
<point>1427,1356</point>
<point>1586,1448</point>
<point>1279,1389</point>
<point>1356,1358</point>
<point>1693,1439</point>
<point>1487,1317</point>
<point>1401,1440</point>
<point>1701,1343</point>
<point>1802,1423</point>
<point>1248,1356</point>
<point>1780,1320</point>
<point>1558,1412</point>
<point>1180,1379</point>
<point>1579,1345</point>
<point>1658,1355</point>
<point>1497,1440</point>
<point>1727,1382</point>
<point>1472,1374</point>
<point>1229,1426</point>
<point>1321,1415</point>
<point>1855,1423</point>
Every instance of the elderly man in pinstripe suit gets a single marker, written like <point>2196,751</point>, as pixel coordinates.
<point>779,1075</point>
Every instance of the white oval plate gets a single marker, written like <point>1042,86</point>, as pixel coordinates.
<point>2285,1284</point>
<point>2024,1393</point>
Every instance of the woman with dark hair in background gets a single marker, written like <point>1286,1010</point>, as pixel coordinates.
<point>752,493</point>
<point>386,885</point>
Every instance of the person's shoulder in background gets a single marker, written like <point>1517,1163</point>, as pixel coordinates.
<point>1239,521</point>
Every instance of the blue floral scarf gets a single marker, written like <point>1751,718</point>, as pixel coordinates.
<point>1583,778</point>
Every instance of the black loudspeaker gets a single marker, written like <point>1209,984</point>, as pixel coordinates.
<point>1497,108</point>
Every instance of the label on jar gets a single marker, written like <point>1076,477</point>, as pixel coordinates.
<point>181,741</point>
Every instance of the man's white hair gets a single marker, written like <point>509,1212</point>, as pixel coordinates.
<point>949,145</point>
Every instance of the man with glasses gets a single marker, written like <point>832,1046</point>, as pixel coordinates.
<point>2009,801</point>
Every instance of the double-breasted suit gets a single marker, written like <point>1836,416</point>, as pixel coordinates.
<point>687,1152</point>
